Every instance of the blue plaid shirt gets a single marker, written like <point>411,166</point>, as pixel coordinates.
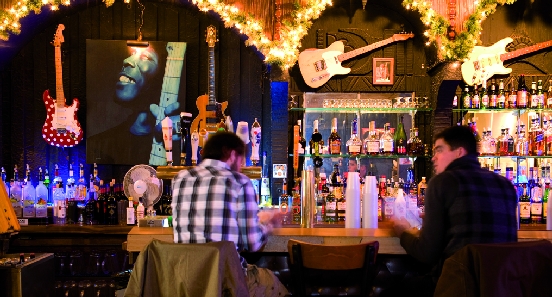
<point>212,203</point>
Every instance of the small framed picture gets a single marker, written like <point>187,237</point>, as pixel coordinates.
<point>383,71</point>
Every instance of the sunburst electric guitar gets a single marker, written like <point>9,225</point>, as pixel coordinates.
<point>484,62</point>
<point>169,95</point>
<point>61,127</point>
<point>210,111</point>
<point>319,65</point>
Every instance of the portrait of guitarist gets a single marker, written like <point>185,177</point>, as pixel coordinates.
<point>131,103</point>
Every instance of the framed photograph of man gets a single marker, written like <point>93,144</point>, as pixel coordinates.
<point>383,71</point>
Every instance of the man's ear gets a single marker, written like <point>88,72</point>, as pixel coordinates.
<point>462,152</point>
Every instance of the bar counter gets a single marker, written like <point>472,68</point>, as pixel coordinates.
<point>139,237</point>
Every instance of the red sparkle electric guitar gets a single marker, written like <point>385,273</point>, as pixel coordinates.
<point>61,127</point>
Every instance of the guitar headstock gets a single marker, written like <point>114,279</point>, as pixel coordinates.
<point>58,37</point>
<point>402,36</point>
<point>211,35</point>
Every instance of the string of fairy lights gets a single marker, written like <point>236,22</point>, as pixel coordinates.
<point>284,52</point>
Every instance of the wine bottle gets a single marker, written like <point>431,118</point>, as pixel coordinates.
<point>533,95</point>
<point>111,213</point>
<point>400,139</point>
<point>334,141</point>
<point>522,92</point>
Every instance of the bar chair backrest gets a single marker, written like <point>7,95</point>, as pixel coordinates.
<point>332,270</point>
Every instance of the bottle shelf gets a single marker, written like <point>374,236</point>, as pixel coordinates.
<point>521,110</point>
<point>514,157</point>
<point>361,156</point>
<point>360,109</point>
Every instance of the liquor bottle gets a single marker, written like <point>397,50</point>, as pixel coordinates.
<point>421,192</point>
<point>337,186</point>
<point>95,182</point>
<point>501,97</point>
<point>70,192</point>
<point>165,202</point>
<point>533,95</point>
<point>41,197</point>
<point>483,96</point>
<point>81,186</point>
<point>91,207</point>
<point>130,217</point>
<point>285,202</point>
<point>386,141</point>
<point>316,142</point>
<point>548,137</point>
<point>512,97</point>
<point>111,204</point>
<point>510,143</point>
<point>466,98</point>
<point>524,205</point>
<point>540,95</point>
<point>354,144</point>
<point>522,92</point>
<point>400,139</point>
<point>139,211</point>
<point>536,138</point>
<point>414,146</point>
<point>334,141</point>
<point>330,207</point>
<point>545,196</point>
<point>28,193</point>
<point>549,95</point>
<point>47,185</point>
<point>371,143</point>
<point>58,192</point>
<point>15,194</point>
<point>493,95</point>
<point>522,143</point>
<point>382,193</point>
<point>323,192</point>
<point>536,199</point>
<point>302,140</point>
<point>4,182</point>
<point>101,203</point>
<point>476,99</point>
<point>492,142</point>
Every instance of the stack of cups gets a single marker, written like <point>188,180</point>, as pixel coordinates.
<point>370,203</point>
<point>352,196</point>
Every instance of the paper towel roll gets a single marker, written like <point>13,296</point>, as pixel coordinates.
<point>370,203</point>
<point>352,199</point>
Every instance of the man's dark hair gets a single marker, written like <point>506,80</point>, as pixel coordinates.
<point>459,136</point>
<point>220,144</point>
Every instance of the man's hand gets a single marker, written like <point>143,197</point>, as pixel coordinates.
<point>400,226</point>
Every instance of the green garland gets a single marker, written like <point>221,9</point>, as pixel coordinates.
<point>464,42</point>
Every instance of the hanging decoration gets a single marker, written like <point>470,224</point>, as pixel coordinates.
<point>282,52</point>
<point>460,47</point>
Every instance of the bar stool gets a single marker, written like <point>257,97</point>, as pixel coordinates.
<point>332,270</point>
<point>498,269</point>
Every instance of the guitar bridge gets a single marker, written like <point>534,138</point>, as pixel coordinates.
<point>61,130</point>
<point>320,65</point>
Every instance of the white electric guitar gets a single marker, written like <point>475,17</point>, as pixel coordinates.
<point>319,65</point>
<point>484,62</point>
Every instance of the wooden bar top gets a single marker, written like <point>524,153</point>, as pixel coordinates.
<point>139,237</point>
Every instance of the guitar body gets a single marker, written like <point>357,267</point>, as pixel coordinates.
<point>61,127</point>
<point>484,62</point>
<point>207,120</point>
<point>317,66</point>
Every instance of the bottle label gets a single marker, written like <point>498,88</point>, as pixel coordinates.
<point>512,100</point>
<point>485,101</point>
<point>536,209</point>
<point>330,207</point>
<point>522,98</point>
<point>335,147</point>
<point>467,102</point>
<point>534,101</point>
<point>372,147</point>
<point>524,210</point>
<point>493,101</point>
<point>388,146</point>
<point>354,149</point>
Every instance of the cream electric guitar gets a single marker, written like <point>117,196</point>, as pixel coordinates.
<point>61,127</point>
<point>319,65</point>
<point>484,62</point>
<point>169,95</point>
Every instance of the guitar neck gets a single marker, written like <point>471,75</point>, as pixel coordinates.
<point>60,97</point>
<point>171,78</point>
<point>212,99</point>
<point>525,50</point>
<point>364,49</point>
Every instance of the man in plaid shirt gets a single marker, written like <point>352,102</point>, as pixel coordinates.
<point>214,202</point>
<point>464,204</point>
